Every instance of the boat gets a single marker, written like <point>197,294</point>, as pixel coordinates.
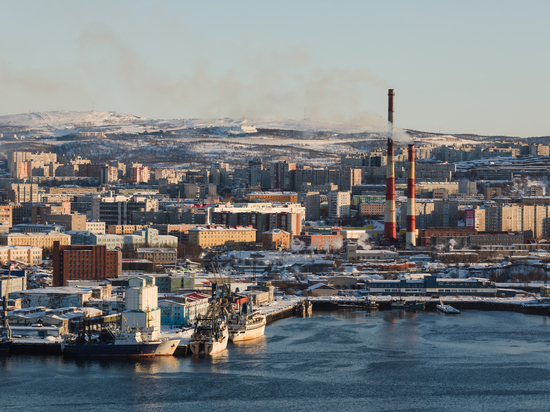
<point>448,309</point>
<point>5,340</point>
<point>304,308</point>
<point>168,345</point>
<point>246,325</point>
<point>127,343</point>
<point>210,335</point>
<point>408,305</point>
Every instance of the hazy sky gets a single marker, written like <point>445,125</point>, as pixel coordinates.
<point>456,66</point>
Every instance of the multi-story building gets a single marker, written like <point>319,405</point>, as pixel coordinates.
<point>276,197</point>
<point>209,236</point>
<point>371,208</point>
<point>39,213</point>
<point>32,228</point>
<point>275,239</point>
<point>29,255</point>
<point>23,192</point>
<point>339,204</point>
<point>261,216</point>
<point>349,178</point>
<point>317,241</point>
<point>313,205</point>
<point>474,218</point>
<point>41,240</point>
<point>160,257</point>
<point>281,175</point>
<point>255,168</point>
<point>6,215</point>
<point>117,210</point>
<point>95,226</point>
<point>70,221</point>
<point>139,174</point>
<point>123,229</point>
<point>84,263</point>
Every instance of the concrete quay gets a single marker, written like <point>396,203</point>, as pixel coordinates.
<point>522,305</point>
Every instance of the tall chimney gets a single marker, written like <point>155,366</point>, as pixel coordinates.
<point>411,200</point>
<point>389,211</point>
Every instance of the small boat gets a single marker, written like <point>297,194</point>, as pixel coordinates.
<point>448,309</point>
<point>109,343</point>
<point>246,325</point>
<point>211,334</point>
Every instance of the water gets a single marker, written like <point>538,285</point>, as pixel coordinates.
<point>342,361</point>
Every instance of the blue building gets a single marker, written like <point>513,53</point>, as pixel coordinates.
<point>431,285</point>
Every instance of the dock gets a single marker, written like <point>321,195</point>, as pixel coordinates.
<point>279,309</point>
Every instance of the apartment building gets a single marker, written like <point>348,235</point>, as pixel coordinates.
<point>84,263</point>
<point>209,236</point>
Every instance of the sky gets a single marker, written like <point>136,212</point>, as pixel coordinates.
<point>464,66</point>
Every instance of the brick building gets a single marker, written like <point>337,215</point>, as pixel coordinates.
<point>84,263</point>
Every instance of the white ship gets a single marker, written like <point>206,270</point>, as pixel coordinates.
<point>448,309</point>
<point>246,326</point>
<point>211,334</point>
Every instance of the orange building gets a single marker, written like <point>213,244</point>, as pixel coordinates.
<point>277,197</point>
<point>315,241</point>
<point>275,239</point>
<point>371,209</point>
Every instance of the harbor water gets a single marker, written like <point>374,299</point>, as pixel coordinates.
<point>338,361</point>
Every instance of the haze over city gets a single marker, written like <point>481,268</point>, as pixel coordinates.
<point>458,67</point>
<point>276,206</point>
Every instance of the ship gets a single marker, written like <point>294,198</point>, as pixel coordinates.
<point>246,325</point>
<point>5,340</point>
<point>109,343</point>
<point>408,304</point>
<point>211,333</point>
<point>168,345</point>
<point>304,308</point>
<point>447,309</point>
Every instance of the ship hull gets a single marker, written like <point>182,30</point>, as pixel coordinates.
<point>111,350</point>
<point>209,347</point>
<point>167,347</point>
<point>5,347</point>
<point>248,334</point>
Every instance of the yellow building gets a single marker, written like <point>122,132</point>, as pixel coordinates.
<point>41,240</point>
<point>30,255</point>
<point>278,197</point>
<point>220,235</point>
<point>123,229</point>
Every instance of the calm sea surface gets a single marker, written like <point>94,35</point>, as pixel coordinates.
<point>342,361</point>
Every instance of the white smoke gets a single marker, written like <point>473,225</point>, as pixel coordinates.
<point>337,244</point>
<point>452,244</point>
<point>364,241</point>
<point>440,247</point>
<point>297,245</point>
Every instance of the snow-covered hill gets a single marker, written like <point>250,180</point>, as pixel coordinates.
<point>60,123</point>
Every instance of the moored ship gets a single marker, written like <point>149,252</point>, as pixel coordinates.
<point>111,344</point>
<point>246,325</point>
<point>211,334</point>
<point>5,340</point>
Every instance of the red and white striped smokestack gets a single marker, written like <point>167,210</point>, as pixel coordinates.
<point>411,200</point>
<point>390,226</point>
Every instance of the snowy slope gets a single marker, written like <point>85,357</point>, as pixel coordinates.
<point>60,123</point>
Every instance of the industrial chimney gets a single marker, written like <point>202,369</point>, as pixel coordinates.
<point>411,200</point>
<point>390,226</point>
